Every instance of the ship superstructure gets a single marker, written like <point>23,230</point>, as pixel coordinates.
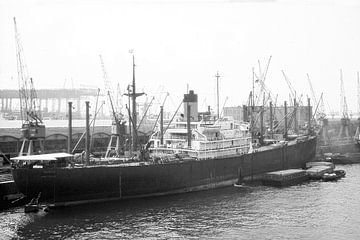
<point>209,137</point>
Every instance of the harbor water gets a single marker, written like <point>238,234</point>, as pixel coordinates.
<point>313,210</point>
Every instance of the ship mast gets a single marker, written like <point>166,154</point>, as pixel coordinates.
<point>217,94</point>
<point>133,95</point>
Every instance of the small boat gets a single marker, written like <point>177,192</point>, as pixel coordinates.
<point>31,208</point>
<point>33,205</point>
<point>337,174</point>
<point>239,185</point>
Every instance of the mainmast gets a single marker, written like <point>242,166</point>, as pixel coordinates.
<point>217,94</point>
<point>133,95</point>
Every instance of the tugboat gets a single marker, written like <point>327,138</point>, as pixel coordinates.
<point>33,205</point>
<point>334,176</point>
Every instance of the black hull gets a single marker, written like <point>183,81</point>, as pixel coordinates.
<point>63,186</point>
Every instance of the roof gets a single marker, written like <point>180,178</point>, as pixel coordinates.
<point>43,157</point>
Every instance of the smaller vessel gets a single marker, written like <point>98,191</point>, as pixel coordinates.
<point>33,205</point>
<point>338,158</point>
<point>285,177</point>
<point>334,176</point>
<point>239,185</point>
<point>316,170</point>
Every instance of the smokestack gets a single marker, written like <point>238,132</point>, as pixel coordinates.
<point>245,113</point>
<point>69,128</point>
<point>188,126</point>
<point>191,99</point>
<point>87,139</point>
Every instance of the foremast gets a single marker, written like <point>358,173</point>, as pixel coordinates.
<point>133,95</point>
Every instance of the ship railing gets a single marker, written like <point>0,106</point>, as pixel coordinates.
<point>201,154</point>
<point>212,145</point>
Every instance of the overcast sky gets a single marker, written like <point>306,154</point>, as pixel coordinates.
<point>186,42</point>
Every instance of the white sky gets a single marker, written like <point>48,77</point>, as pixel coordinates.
<point>185,42</point>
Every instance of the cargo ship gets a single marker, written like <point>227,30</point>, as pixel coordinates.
<point>195,153</point>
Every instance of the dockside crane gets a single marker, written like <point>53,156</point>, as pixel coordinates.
<point>321,110</point>
<point>294,101</point>
<point>263,94</point>
<point>260,79</point>
<point>118,123</point>
<point>291,88</point>
<point>343,102</point>
<point>319,114</point>
<point>33,129</point>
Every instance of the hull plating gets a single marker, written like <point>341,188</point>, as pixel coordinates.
<point>62,186</point>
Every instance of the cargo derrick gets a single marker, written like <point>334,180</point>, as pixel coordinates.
<point>261,93</point>
<point>357,133</point>
<point>116,142</point>
<point>345,120</point>
<point>320,114</point>
<point>33,129</point>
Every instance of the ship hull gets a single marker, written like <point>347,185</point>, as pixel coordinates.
<point>66,186</point>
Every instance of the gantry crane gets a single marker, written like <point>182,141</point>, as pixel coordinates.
<point>33,129</point>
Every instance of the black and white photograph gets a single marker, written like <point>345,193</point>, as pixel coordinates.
<point>179,119</point>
